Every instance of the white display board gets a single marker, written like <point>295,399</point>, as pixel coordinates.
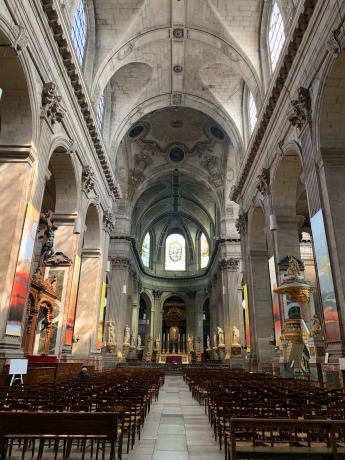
<point>18,366</point>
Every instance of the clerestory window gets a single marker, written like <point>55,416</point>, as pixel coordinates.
<point>175,252</point>
<point>205,251</point>
<point>79,32</point>
<point>276,35</point>
<point>145,250</point>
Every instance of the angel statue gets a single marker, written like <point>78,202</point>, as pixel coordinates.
<point>316,328</point>
<point>293,267</point>
<point>220,335</point>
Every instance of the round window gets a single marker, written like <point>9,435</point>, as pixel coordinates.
<point>218,134</point>
<point>135,132</point>
<point>176,155</point>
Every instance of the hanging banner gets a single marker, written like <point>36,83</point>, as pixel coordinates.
<point>73,301</point>
<point>275,300</point>
<point>21,278</point>
<point>329,304</point>
<point>246,313</point>
<point>101,317</point>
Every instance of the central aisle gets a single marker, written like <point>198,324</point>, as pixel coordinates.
<point>176,428</point>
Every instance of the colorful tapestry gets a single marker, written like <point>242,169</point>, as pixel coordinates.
<point>325,276</point>
<point>101,318</point>
<point>73,301</point>
<point>246,314</point>
<point>275,300</point>
<point>22,275</point>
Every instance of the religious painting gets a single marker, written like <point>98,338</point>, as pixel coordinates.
<point>246,315</point>
<point>73,301</point>
<point>101,318</point>
<point>325,277</point>
<point>22,275</point>
<point>275,300</point>
<point>176,155</point>
<point>173,334</point>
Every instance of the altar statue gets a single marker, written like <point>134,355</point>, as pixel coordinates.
<point>215,343</point>
<point>127,337</point>
<point>133,339</point>
<point>139,341</point>
<point>220,335</point>
<point>111,331</point>
<point>158,342</point>
<point>236,335</point>
<point>208,342</point>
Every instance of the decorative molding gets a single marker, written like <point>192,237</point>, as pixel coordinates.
<point>263,183</point>
<point>64,45</point>
<point>191,294</point>
<point>58,258</point>
<point>157,294</point>
<point>280,148</point>
<point>300,114</point>
<point>228,264</point>
<point>121,263</point>
<point>178,33</point>
<point>141,161</point>
<point>52,106</point>
<point>140,287</point>
<point>178,68</point>
<point>230,52</point>
<point>108,221</point>
<point>88,179</point>
<point>241,223</point>
<point>22,40</point>
<point>333,45</point>
<point>289,51</point>
<point>216,177</point>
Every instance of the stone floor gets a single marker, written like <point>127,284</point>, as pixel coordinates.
<point>176,429</point>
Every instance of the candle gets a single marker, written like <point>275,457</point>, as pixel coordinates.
<point>183,338</point>
<point>179,337</point>
<point>163,338</point>
<point>168,337</point>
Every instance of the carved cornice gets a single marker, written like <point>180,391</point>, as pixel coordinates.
<point>59,258</point>
<point>66,50</point>
<point>241,223</point>
<point>121,263</point>
<point>229,264</point>
<point>289,52</point>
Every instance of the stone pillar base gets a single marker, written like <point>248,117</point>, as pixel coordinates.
<point>316,347</point>
<point>10,348</point>
<point>283,359</point>
<point>66,353</point>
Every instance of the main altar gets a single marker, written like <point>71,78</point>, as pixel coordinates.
<point>182,358</point>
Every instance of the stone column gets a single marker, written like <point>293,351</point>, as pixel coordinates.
<point>198,323</point>
<point>136,306</point>
<point>229,269</point>
<point>16,170</point>
<point>157,319</point>
<point>287,237</point>
<point>86,325</point>
<point>191,317</point>
<point>118,304</point>
<point>261,304</point>
<point>213,312</point>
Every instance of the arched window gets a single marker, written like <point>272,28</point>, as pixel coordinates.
<point>175,252</point>
<point>205,251</point>
<point>276,35</point>
<point>79,32</point>
<point>252,112</point>
<point>100,111</point>
<point>145,250</point>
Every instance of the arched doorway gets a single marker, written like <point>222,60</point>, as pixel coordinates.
<point>174,323</point>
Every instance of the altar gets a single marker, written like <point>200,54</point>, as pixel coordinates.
<point>178,359</point>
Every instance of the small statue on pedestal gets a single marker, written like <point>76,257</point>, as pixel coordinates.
<point>127,336</point>
<point>139,341</point>
<point>236,335</point>
<point>208,342</point>
<point>220,336</point>
<point>133,339</point>
<point>215,342</point>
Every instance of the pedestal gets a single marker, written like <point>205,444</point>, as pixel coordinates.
<point>111,347</point>
<point>236,349</point>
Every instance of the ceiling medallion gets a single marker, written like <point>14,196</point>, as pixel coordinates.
<point>178,33</point>
<point>176,124</point>
<point>178,68</point>
<point>124,52</point>
<point>176,155</point>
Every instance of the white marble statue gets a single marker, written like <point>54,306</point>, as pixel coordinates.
<point>139,341</point>
<point>111,331</point>
<point>208,342</point>
<point>215,343</point>
<point>220,335</point>
<point>236,335</point>
<point>127,336</point>
<point>133,339</point>
<point>191,344</point>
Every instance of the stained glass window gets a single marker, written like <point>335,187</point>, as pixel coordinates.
<point>175,252</point>
<point>79,32</point>
<point>145,250</point>
<point>100,111</point>
<point>252,112</point>
<point>276,35</point>
<point>205,251</point>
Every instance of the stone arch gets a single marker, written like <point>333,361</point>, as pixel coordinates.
<point>92,235</point>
